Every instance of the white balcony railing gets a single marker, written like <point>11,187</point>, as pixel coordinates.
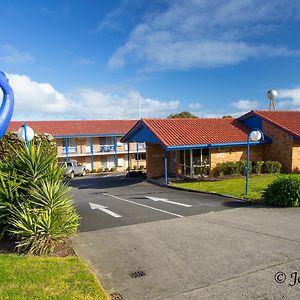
<point>72,149</point>
<point>107,148</point>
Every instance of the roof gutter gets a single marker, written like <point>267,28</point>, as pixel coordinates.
<point>201,146</point>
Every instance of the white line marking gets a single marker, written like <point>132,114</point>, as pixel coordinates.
<point>129,201</point>
<point>104,209</point>
<point>168,201</point>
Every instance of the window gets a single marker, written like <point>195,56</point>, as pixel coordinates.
<point>107,144</point>
<point>71,144</point>
<point>140,156</point>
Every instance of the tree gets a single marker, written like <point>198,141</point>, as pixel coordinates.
<point>183,114</point>
<point>227,116</point>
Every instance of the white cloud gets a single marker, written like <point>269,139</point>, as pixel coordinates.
<point>34,100</point>
<point>9,54</point>
<point>244,104</point>
<point>291,98</point>
<point>195,33</point>
<point>194,105</point>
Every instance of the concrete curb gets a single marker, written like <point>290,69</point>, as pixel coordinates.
<point>153,181</point>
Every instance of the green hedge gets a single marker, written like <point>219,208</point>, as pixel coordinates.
<point>256,167</point>
<point>283,191</point>
<point>271,167</point>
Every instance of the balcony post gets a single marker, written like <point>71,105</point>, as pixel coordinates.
<point>115,149</point>
<point>128,156</point>
<point>137,155</point>
<point>92,152</point>
<point>67,148</point>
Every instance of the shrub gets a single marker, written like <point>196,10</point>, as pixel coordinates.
<point>127,169</point>
<point>100,170</point>
<point>34,203</point>
<point>113,169</point>
<point>228,168</point>
<point>88,171</point>
<point>283,191</point>
<point>11,138</point>
<point>106,169</point>
<point>242,167</point>
<point>257,167</point>
<point>271,167</point>
<point>94,171</point>
<point>135,167</point>
<point>45,218</point>
<point>142,167</point>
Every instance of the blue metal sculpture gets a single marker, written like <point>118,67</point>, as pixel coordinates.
<point>7,106</point>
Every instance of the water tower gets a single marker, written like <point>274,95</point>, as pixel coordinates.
<point>272,94</point>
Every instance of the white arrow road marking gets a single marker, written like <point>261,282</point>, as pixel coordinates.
<point>104,209</point>
<point>167,201</point>
<point>129,201</point>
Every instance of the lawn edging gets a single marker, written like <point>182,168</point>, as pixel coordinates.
<point>157,182</point>
<point>208,193</point>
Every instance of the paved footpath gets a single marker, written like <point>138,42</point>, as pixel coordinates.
<point>188,245</point>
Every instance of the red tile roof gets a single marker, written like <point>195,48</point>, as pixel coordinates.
<point>80,127</point>
<point>183,132</point>
<point>287,120</point>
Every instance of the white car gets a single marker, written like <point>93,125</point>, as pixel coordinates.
<point>72,168</point>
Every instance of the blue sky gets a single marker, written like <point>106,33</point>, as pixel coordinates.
<point>99,59</point>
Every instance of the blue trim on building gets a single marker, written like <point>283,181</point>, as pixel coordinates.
<point>253,122</point>
<point>86,135</point>
<point>141,134</point>
<point>92,152</point>
<point>115,149</point>
<point>185,147</point>
<point>137,155</point>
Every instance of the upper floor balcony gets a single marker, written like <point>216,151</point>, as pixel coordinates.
<point>75,147</point>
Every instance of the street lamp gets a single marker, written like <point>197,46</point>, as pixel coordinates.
<point>25,134</point>
<point>255,135</point>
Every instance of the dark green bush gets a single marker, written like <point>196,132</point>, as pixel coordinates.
<point>142,167</point>
<point>113,169</point>
<point>100,170</point>
<point>271,167</point>
<point>88,171</point>
<point>106,169</point>
<point>35,205</point>
<point>283,191</point>
<point>257,167</point>
<point>135,168</point>
<point>242,167</point>
<point>228,168</point>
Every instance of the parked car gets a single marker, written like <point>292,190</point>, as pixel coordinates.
<point>72,168</point>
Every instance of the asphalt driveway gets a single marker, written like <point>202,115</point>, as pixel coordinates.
<point>149,242</point>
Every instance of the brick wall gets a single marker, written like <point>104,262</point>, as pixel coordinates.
<point>296,157</point>
<point>220,155</point>
<point>281,148</point>
<point>154,160</point>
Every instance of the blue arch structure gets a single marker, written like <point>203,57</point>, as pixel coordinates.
<point>7,106</point>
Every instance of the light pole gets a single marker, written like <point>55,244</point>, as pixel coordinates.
<point>255,135</point>
<point>25,134</point>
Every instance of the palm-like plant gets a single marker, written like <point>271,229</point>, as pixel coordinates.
<point>47,216</point>
<point>35,205</point>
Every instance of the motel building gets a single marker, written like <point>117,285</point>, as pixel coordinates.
<point>93,143</point>
<point>193,147</point>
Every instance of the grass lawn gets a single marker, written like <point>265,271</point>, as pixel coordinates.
<point>30,277</point>
<point>233,187</point>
